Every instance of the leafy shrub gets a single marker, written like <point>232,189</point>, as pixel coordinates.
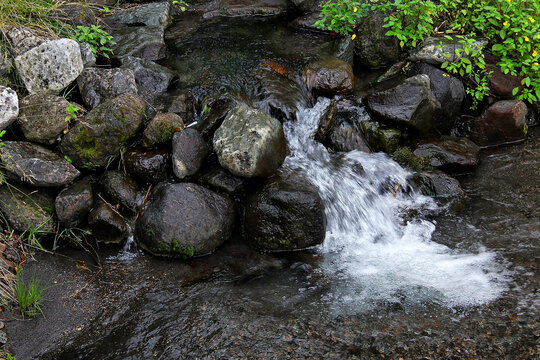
<point>97,38</point>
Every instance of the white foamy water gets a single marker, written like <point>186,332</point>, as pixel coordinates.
<point>371,254</point>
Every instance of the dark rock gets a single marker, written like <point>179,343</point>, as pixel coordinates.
<point>9,106</point>
<point>330,76</point>
<point>182,105</point>
<point>153,14</point>
<point>103,131</point>
<point>121,188</point>
<point>145,42</point>
<point>433,50</point>
<point>437,184</point>
<point>215,108</point>
<point>306,22</point>
<point>98,85</point>
<point>250,143</point>
<point>150,166</point>
<point>306,6</point>
<point>326,121</point>
<point>448,153</point>
<point>36,165</point>
<point>23,39</point>
<point>410,103</point>
<point>184,220</point>
<point>189,150</point>
<point>373,49</point>
<point>344,133</point>
<point>151,78</point>
<point>107,225</point>
<point>74,203</point>
<point>502,122</point>
<point>43,117</point>
<point>341,49</point>
<point>161,129</point>
<point>221,179</point>
<point>379,137</point>
<point>76,14</point>
<point>243,8</point>
<point>27,208</point>
<point>502,84</point>
<point>286,214</point>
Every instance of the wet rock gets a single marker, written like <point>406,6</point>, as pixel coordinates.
<point>161,129</point>
<point>121,188</point>
<point>184,220</point>
<point>373,49</point>
<point>9,106</point>
<point>87,56</point>
<point>182,105</point>
<point>107,225</point>
<point>153,14</point>
<point>215,108</point>
<point>189,150</point>
<point>43,117</point>
<point>279,95</point>
<point>306,22</point>
<point>502,122</point>
<point>379,137</point>
<point>25,208</point>
<point>501,84</point>
<point>51,66</point>
<point>151,78</point>
<point>437,184</point>
<point>145,42</point>
<point>103,131</point>
<point>330,76</point>
<point>250,143</point>
<point>341,49</point>
<point>74,203</point>
<point>98,85</point>
<point>76,14</point>
<point>433,50</point>
<point>36,165</point>
<point>221,179</point>
<point>344,133</point>
<point>326,121</point>
<point>286,214</point>
<point>306,6</point>
<point>448,153</point>
<point>23,39</point>
<point>410,103</point>
<point>449,92</point>
<point>150,166</point>
<point>242,8</point>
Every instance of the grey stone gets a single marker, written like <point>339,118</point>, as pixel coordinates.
<point>98,85</point>
<point>76,14</point>
<point>449,153</point>
<point>87,56</point>
<point>161,129</point>
<point>145,42</point>
<point>189,150</point>
<point>433,50</point>
<point>9,106</point>
<point>437,184</point>
<point>74,203</point>
<point>243,8</point>
<point>151,78</point>
<point>150,166</point>
<point>373,49</point>
<point>25,208</point>
<point>23,39</point>
<point>330,76</point>
<point>221,179</point>
<point>250,143</point>
<point>121,188</point>
<point>380,138</point>
<point>153,14</point>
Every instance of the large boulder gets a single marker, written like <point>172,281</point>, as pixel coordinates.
<point>151,78</point>
<point>149,166</point>
<point>189,150</point>
<point>449,153</point>
<point>330,76</point>
<point>103,131</point>
<point>286,214</point>
<point>372,48</point>
<point>436,50</point>
<point>51,66</point>
<point>74,203</point>
<point>410,103</point>
<point>502,85</point>
<point>36,165</point>
<point>9,106</point>
<point>121,188</point>
<point>250,143</point>
<point>26,209</point>
<point>184,220</point>
<point>161,129</point>
<point>145,42</point>
<point>502,122</point>
<point>98,85</point>
<point>43,117</point>
<point>153,14</point>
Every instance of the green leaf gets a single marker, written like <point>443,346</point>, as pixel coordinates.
<point>515,91</point>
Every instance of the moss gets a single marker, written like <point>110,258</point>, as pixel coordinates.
<point>405,157</point>
<point>86,145</point>
<point>150,233</point>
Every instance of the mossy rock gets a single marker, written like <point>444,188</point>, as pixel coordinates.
<point>27,208</point>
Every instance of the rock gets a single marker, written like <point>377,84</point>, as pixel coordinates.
<point>242,8</point>
<point>380,138</point>
<point>306,22</point>
<point>107,225</point>
<point>436,184</point>
<point>279,95</point>
<point>87,56</point>
<point>326,121</point>
<point>341,49</point>
<point>23,39</point>
<point>221,179</point>
<point>344,133</point>
<point>9,106</point>
<point>286,214</point>
<point>215,108</point>
<point>121,188</point>
<point>43,117</point>
<point>250,143</point>
<point>182,105</point>
<point>306,6</point>
<point>150,166</point>
<point>501,84</point>
<point>433,50</point>
<point>6,63</point>
<point>151,78</point>
<point>189,150</point>
<point>372,48</point>
<point>184,220</point>
<point>74,203</point>
<point>449,154</point>
<point>153,14</point>
<point>410,103</point>
<point>330,76</point>
<point>502,122</point>
<point>98,85</point>
<point>27,208</point>
<point>145,42</point>
<point>103,131</point>
<point>51,66</point>
<point>161,129</point>
<point>36,165</point>
<point>76,14</point>
<point>449,92</point>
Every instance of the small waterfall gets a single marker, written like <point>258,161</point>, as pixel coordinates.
<point>372,254</point>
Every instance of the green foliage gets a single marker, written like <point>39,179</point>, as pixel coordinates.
<point>1,135</point>
<point>29,295</point>
<point>6,356</point>
<point>72,112</point>
<point>512,28</point>
<point>34,233</point>
<point>97,38</point>
<point>180,3</point>
<point>405,157</point>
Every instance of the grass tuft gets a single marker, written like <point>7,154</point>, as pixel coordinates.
<point>29,295</point>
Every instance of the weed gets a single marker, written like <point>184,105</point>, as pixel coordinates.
<point>34,233</point>
<point>97,38</point>
<point>180,3</point>
<point>6,356</point>
<point>29,295</point>
<point>72,113</point>
<point>405,157</point>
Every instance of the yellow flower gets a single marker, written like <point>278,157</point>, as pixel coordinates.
<point>531,19</point>
<point>483,56</point>
<point>353,37</point>
<point>526,38</point>
<point>505,23</point>
<point>429,12</point>
<point>535,53</point>
<point>535,64</point>
<point>354,9</point>
<point>538,36</point>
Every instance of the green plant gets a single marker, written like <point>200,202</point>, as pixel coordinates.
<point>6,356</point>
<point>405,157</point>
<point>1,135</point>
<point>71,112</point>
<point>180,3</point>
<point>33,235</point>
<point>29,295</point>
<point>97,38</point>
